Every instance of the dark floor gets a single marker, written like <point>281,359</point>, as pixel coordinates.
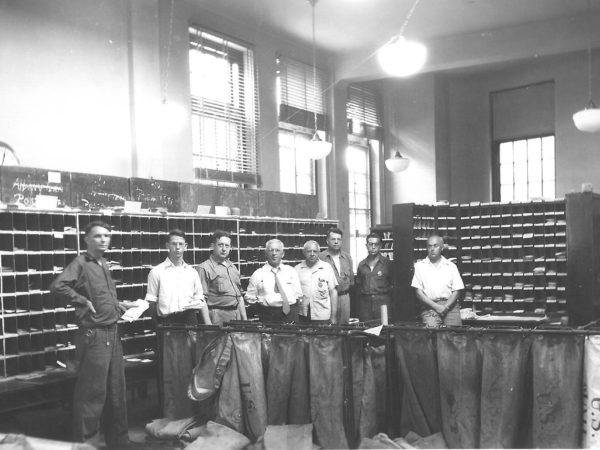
<point>54,421</point>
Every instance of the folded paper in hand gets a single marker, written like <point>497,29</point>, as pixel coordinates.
<point>134,313</point>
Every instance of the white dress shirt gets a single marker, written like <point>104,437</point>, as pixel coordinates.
<point>261,288</point>
<point>174,288</point>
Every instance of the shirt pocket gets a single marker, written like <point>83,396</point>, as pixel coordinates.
<point>322,289</point>
<point>221,285</point>
<point>381,282</point>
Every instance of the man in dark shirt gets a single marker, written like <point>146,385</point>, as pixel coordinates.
<point>221,282</point>
<point>342,265</point>
<point>374,281</point>
<point>100,389</point>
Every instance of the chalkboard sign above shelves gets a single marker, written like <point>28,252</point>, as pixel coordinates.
<point>155,193</point>
<point>23,185</point>
<point>98,191</point>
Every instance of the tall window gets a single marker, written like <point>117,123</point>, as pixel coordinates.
<point>526,169</point>
<point>296,88</point>
<point>297,172</point>
<point>224,109</point>
<point>364,135</point>
<point>359,199</point>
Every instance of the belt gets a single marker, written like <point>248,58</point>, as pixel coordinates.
<point>260,305</point>
<point>347,291</point>
<point>99,327</point>
<point>224,308</point>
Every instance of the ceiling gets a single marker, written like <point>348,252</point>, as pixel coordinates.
<point>347,26</point>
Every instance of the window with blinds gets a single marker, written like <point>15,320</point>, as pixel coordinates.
<point>300,94</point>
<point>363,112</point>
<point>296,91</point>
<point>224,109</point>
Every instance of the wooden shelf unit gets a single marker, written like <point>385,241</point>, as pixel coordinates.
<point>519,258</point>
<point>37,330</point>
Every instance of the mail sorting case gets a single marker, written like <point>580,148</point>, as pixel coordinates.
<point>525,258</point>
<point>37,329</point>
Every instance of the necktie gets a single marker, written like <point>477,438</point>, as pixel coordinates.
<point>281,290</point>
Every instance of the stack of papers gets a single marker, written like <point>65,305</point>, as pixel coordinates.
<point>135,313</point>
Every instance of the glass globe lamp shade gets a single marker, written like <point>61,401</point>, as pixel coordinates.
<point>397,164</point>
<point>588,119</point>
<point>402,58</point>
<point>317,148</point>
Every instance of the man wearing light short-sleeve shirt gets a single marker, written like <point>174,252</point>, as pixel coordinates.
<point>175,287</point>
<point>438,285</point>
<point>318,282</point>
<point>175,293</point>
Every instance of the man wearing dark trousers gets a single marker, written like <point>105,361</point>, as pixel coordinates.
<point>175,293</point>
<point>374,281</point>
<point>342,265</point>
<point>100,392</point>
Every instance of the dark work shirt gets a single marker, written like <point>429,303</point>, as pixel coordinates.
<point>377,281</point>
<point>345,276</point>
<point>87,279</point>
<point>220,282</point>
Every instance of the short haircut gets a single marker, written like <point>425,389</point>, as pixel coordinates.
<point>218,234</point>
<point>309,243</point>
<point>175,232</point>
<point>95,223</point>
<point>334,230</point>
<point>436,236</point>
<point>273,241</point>
<point>373,235</point>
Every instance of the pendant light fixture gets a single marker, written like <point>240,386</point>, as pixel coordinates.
<point>316,148</point>
<point>397,163</point>
<point>588,119</point>
<point>400,57</point>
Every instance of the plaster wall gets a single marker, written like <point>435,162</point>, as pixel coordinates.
<point>577,153</point>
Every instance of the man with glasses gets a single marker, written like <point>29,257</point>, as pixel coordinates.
<point>221,282</point>
<point>274,288</point>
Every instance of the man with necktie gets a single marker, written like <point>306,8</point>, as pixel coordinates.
<point>274,288</point>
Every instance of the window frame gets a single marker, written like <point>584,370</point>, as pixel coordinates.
<point>292,93</point>
<point>295,130</point>
<point>238,116</point>
<point>496,181</point>
<point>354,237</point>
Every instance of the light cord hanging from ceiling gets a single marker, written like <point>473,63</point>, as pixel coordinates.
<point>165,78</point>
<point>316,147</point>
<point>588,119</point>
<point>408,16</point>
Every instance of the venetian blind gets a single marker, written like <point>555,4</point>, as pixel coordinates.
<point>296,90</point>
<point>225,111</point>
<point>362,107</point>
